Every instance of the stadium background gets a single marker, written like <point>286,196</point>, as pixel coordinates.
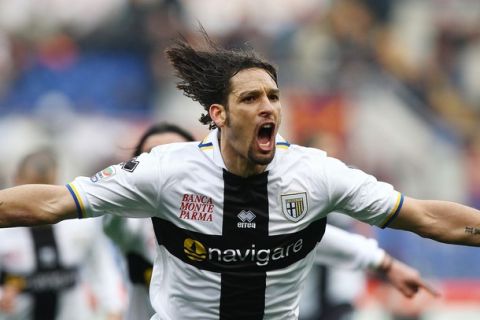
<point>391,87</point>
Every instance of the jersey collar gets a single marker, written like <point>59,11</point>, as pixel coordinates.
<point>211,149</point>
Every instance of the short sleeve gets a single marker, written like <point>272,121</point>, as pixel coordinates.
<point>360,195</point>
<point>127,189</point>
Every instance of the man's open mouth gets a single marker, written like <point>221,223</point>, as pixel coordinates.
<point>265,136</point>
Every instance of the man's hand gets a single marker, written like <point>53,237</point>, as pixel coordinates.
<point>8,298</point>
<point>404,278</point>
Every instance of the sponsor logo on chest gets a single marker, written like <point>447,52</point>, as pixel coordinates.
<point>197,251</point>
<point>196,207</point>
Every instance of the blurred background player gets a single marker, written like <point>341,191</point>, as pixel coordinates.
<point>346,252</point>
<point>64,271</point>
<point>334,292</point>
<point>135,237</point>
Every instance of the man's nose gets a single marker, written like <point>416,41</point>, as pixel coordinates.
<point>266,107</point>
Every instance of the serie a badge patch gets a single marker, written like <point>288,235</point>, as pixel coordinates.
<point>105,174</point>
<point>294,205</point>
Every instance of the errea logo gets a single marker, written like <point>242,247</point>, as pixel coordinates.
<point>246,220</point>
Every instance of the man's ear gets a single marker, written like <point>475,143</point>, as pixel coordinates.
<point>218,114</point>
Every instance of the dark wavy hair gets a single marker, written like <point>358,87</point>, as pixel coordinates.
<point>161,128</point>
<point>205,74</point>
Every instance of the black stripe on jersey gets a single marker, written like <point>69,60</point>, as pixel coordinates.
<point>139,269</point>
<point>241,255</point>
<point>45,302</point>
<point>215,253</point>
<point>242,294</point>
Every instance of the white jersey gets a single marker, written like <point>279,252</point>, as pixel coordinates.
<point>338,248</point>
<point>233,247</point>
<point>88,270</point>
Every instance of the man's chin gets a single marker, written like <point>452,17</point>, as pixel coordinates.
<point>262,159</point>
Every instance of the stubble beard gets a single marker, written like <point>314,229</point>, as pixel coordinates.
<point>260,160</point>
<point>252,157</point>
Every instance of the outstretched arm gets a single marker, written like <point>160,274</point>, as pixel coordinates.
<point>442,221</point>
<point>28,205</point>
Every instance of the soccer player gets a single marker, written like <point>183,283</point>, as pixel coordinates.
<point>53,272</point>
<point>238,215</point>
<point>338,248</point>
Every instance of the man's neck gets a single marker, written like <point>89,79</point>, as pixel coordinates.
<point>237,164</point>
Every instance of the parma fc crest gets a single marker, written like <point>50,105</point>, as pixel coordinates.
<point>294,205</point>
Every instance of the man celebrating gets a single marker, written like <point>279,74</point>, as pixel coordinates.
<point>238,215</point>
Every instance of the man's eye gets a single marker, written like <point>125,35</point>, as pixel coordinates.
<point>248,99</point>
<point>274,97</point>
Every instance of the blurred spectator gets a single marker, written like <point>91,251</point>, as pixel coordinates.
<point>64,271</point>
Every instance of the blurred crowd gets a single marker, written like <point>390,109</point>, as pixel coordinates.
<point>106,60</point>
<point>388,86</point>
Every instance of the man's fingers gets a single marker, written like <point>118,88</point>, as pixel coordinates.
<point>409,291</point>
<point>430,289</point>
